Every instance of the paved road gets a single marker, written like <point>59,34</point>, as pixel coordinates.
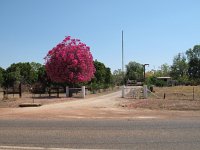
<point>151,134</point>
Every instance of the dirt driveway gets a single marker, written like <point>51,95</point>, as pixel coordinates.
<point>106,106</point>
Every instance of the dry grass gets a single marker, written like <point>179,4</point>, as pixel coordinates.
<point>178,92</point>
<point>176,98</point>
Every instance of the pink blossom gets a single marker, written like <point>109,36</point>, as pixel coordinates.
<point>70,62</point>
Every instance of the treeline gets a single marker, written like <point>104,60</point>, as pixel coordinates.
<point>25,73</point>
<point>34,74</point>
<point>185,70</point>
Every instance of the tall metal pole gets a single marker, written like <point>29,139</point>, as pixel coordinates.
<point>123,87</point>
<point>144,70</point>
<point>123,56</point>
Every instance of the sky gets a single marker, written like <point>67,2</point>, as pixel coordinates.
<point>154,30</point>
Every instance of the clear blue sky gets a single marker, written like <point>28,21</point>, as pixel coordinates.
<point>154,30</point>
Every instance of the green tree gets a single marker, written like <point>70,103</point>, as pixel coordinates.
<point>152,80</point>
<point>99,76</point>
<point>26,73</point>
<point>193,56</point>
<point>118,77</point>
<point>102,77</point>
<point>108,78</point>
<point>1,76</point>
<point>11,76</point>
<point>179,68</point>
<point>163,71</point>
<point>134,71</point>
<point>42,77</point>
<point>35,66</point>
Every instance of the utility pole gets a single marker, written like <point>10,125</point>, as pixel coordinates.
<point>123,87</point>
<point>123,56</point>
<point>144,70</point>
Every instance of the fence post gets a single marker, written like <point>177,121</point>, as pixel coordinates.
<point>83,91</point>
<point>123,91</point>
<point>193,93</point>
<point>57,91</point>
<point>67,91</point>
<point>49,91</point>
<point>145,91</point>
<point>20,89</point>
<point>13,91</point>
<point>4,94</point>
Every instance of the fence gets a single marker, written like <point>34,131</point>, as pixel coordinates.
<point>39,92</point>
<point>80,92</point>
<point>50,92</point>
<point>12,91</point>
<point>177,92</point>
<point>173,93</point>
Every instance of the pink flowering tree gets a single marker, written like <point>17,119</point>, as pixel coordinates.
<point>70,62</point>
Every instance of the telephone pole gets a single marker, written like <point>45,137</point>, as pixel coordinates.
<point>123,86</point>
<point>144,70</point>
<point>123,56</point>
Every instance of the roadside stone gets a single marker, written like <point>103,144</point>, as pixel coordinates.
<point>30,105</point>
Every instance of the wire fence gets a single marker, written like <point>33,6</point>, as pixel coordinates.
<point>177,92</point>
<point>52,93</point>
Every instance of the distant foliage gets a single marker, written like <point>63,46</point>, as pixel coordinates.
<point>20,72</point>
<point>164,71</point>
<point>134,71</point>
<point>70,62</point>
<point>102,77</point>
<point>1,76</point>
<point>193,56</point>
<point>118,77</point>
<point>179,68</point>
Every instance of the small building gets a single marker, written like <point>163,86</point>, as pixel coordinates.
<point>167,80</point>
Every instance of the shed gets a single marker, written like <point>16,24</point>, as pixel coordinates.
<point>168,80</point>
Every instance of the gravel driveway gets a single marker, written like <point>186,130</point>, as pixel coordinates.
<point>106,106</point>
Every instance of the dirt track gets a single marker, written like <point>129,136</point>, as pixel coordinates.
<point>106,106</point>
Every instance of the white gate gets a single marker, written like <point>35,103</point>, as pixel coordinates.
<point>70,91</point>
<point>135,92</point>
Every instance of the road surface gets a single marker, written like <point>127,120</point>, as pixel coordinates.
<point>151,134</point>
<point>97,123</point>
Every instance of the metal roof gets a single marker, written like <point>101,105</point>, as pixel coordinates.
<point>164,77</point>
